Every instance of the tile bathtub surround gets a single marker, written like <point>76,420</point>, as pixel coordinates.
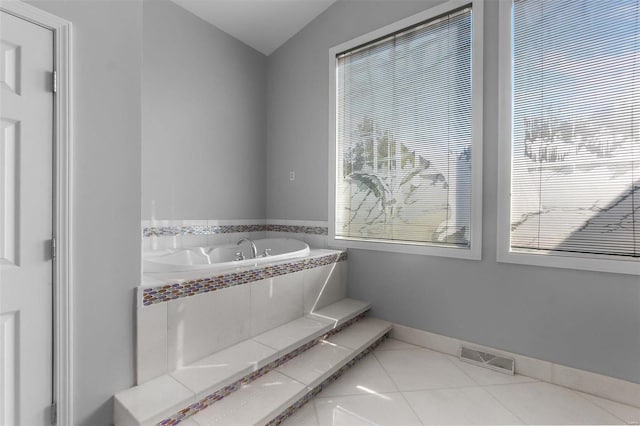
<point>274,305</point>
<point>324,286</point>
<point>180,331</point>
<point>188,288</point>
<point>199,326</point>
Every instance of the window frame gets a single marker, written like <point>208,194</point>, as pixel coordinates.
<point>474,251</point>
<point>505,254</point>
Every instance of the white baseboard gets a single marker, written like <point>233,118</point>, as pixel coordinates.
<point>573,378</point>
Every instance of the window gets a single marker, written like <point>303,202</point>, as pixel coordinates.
<point>406,155</point>
<point>571,137</point>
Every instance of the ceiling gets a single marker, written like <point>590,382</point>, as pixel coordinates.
<point>264,25</point>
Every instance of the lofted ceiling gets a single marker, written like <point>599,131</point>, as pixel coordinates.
<point>264,25</point>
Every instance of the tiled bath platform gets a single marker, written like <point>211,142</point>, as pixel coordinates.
<point>259,380</point>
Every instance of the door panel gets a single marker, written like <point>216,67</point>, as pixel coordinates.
<point>26,143</point>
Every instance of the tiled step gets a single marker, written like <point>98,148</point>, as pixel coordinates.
<point>216,376</point>
<point>278,393</point>
<point>342,311</point>
<point>225,367</point>
<point>254,403</point>
<point>315,365</point>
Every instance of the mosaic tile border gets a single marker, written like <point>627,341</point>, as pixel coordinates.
<point>316,390</point>
<point>167,292</point>
<point>315,230</point>
<point>173,231</point>
<point>229,389</point>
<point>346,324</point>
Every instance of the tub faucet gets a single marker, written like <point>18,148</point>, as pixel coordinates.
<point>254,250</point>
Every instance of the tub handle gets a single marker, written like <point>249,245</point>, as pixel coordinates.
<point>239,255</point>
<point>267,252</point>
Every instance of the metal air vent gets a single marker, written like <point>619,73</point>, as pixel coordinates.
<point>488,360</point>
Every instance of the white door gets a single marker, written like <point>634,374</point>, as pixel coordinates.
<point>26,169</point>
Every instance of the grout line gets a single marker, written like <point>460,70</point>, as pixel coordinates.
<point>424,390</point>
<point>398,388</point>
<point>386,372</point>
<point>495,398</point>
<point>624,422</point>
<point>558,386</point>
<point>315,410</point>
<point>462,387</point>
<point>411,408</point>
<point>360,393</point>
<point>460,369</point>
<point>377,393</point>
<point>404,349</point>
<point>316,390</point>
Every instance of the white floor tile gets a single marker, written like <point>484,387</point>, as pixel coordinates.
<point>462,406</point>
<point>418,369</point>
<point>486,376</point>
<point>544,403</point>
<point>393,344</point>
<point>380,409</point>
<point>629,414</point>
<point>305,416</point>
<point>366,377</point>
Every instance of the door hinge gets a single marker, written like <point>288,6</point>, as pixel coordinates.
<point>53,248</point>
<point>54,81</point>
<point>54,413</point>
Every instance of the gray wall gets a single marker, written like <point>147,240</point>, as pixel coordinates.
<point>582,319</point>
<point>203,122</point>
<point>106,211</point>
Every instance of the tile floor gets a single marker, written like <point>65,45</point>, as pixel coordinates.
<point>402,384</point>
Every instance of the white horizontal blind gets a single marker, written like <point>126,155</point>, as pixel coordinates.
<point>575,184</point>
<point>404,123</point>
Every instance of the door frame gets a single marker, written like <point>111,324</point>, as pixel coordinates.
<point>63,307</point>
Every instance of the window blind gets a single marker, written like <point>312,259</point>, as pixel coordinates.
<point>575,184</point>
<point>403,123</point>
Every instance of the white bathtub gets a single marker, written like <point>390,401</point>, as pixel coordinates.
<point>222,258</point>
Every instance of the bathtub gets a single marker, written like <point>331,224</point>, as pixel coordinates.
<point>223,257</point>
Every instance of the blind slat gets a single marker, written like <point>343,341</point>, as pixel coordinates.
<point>576,126</point>
<point>404,135</point>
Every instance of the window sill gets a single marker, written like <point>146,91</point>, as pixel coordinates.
<point>571,261</point>
<point>473,253</point>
